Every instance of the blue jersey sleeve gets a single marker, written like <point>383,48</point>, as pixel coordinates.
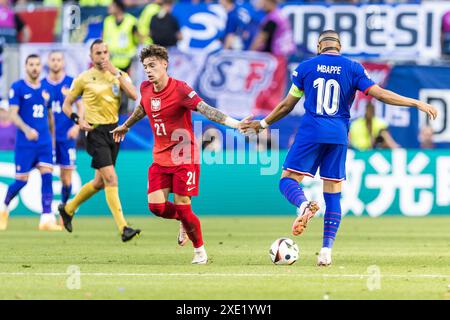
<point>14,94</point>
<point>361,78</point>
<point>297,77</point>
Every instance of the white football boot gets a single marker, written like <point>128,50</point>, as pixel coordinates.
<point>305,212</point>
<point>324,258</point>
<point>200,256</point>
<point>48,223</point>
<point>182,236</point>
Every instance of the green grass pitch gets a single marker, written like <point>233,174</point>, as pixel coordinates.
<point>412,256</point>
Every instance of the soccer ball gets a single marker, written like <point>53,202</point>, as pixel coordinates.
<point>284,251</point>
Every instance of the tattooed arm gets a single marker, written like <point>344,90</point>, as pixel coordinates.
<point>216,115</point>
<point>137,115</point>
<point>120,131</point>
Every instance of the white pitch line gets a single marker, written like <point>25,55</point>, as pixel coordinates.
<point>101,274</point>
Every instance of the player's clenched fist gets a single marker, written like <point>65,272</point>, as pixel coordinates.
<point>119,133</point>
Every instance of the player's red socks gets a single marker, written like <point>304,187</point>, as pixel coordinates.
<point>191,224</point>
<point>164,210</point>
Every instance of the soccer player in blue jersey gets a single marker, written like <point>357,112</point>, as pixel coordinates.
<point>57,83</point>
<point>28,104</point>
<point>328,82</point>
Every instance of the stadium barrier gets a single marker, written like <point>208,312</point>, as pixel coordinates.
<point>407,182</point>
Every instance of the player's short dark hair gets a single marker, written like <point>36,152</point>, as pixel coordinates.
<point>119,4</point>
<point>96,41</point>
<point>32,56</point>
<point>329,32</point>
<point>154,50</point>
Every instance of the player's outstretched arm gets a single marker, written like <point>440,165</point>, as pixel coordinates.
<point>120,132</point>
<point>395,99</point>
<point>280,111</point>
<point>216,115</point>
<point>29,132</point>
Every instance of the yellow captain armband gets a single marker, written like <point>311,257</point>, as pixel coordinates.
<point>296,92</point>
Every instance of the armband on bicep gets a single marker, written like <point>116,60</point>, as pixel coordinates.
<point>296,92</point>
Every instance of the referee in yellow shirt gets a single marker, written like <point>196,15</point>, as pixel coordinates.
<point>100,89</point>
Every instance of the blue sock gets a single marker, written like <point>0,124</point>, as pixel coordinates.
<point>332,218</point>
<point>292,191</point>
<point>13,190</point>
<point>66,192</point>
<point>47,192</point>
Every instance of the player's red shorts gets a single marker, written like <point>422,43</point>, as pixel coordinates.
<point>182,179</point>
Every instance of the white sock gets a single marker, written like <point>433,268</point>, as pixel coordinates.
<point>200,250</point>
<point>325,249</point>
<point>48,218</point>
<point>3,207</point>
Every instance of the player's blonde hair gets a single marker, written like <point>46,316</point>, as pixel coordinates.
<point>154,50</point>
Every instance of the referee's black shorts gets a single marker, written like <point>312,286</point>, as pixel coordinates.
<point>101,146</point>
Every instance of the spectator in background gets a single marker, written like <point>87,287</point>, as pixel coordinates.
<point>237,35</point>
<point>275,34</point>
<point>445,36</point>
<point>145,19</point>
<point>370,132</point>
<point>12,28</point>
<point>94,3</point>
<point>164,27</point>
<point>121,35</point>
<point>426,138</point>
<point>7,129</point>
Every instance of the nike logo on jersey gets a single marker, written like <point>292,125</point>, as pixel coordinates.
<point>192,188</point>
<point>155,115</point>
<point>27,96</point>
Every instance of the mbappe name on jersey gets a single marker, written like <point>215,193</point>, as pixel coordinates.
<point>329,69</point>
